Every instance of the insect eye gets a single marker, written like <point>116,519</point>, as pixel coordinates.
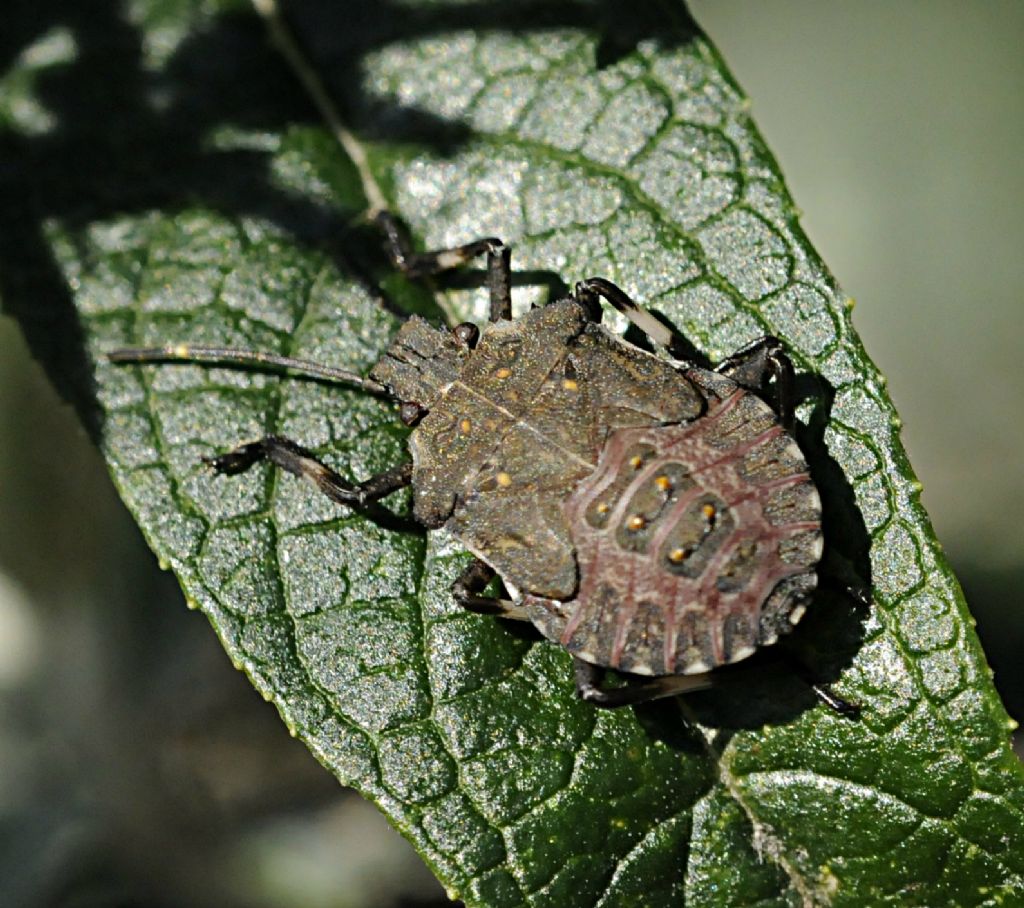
<point>411,413</point>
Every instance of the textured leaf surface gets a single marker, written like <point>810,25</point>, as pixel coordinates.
<point>173,184</point>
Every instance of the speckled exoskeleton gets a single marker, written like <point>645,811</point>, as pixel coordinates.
<point>648,515</point>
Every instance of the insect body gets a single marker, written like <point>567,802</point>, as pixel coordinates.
<point>648,515</point>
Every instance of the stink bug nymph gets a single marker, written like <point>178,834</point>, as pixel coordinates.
<point>646,514</point>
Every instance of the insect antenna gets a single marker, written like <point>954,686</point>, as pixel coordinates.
<point>229,356</point>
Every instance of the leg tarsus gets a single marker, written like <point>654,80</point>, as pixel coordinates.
<point>834,702</point>
<point>468,588</point>
<point>294,459</point>
<point>421,264</point>
<point>238,460</point>
<point>589,688</point>
<point>821,690</point>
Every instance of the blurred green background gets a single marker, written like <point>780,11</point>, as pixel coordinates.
<point>138,768</point>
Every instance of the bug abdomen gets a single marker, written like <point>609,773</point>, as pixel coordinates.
<point>683,533</point>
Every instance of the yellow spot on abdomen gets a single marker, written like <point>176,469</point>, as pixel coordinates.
<point>570,384</point>
<point>636,522</point>
<point>663,483</point>
<point>636,461</point>
<point>504,480</point>
<point>503,372</point>
<point>465,426</point>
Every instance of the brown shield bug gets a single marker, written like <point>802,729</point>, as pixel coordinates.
<point>646,514</point>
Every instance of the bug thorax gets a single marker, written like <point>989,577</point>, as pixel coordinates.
<point>478,398</point>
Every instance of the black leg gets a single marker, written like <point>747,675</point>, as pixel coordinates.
<point>298,461</point>
<point>753,367</point>
<point>588,687</point>
<point>859,594</point>
<point>842,579</point>
<point>421,264</point>
<point>468,588</point>
<point>587,293</point>
<point>756,365</point>
<point>822,691</point>
<point>499,281</point>
<point>833,701</point>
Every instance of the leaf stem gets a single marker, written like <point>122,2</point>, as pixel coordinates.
<point>288,44</point>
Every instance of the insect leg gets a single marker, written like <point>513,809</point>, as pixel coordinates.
<point>593,287</point>
<point>834,702</point>
<point>588,687</point>
<point>468,588</point>
<point>859,595</point>
<point>296,460</point>
<point>756,365</point>
<point>419,264</point>
<point>823,691</point>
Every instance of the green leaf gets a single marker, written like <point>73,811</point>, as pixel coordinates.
<point>172,183</point>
